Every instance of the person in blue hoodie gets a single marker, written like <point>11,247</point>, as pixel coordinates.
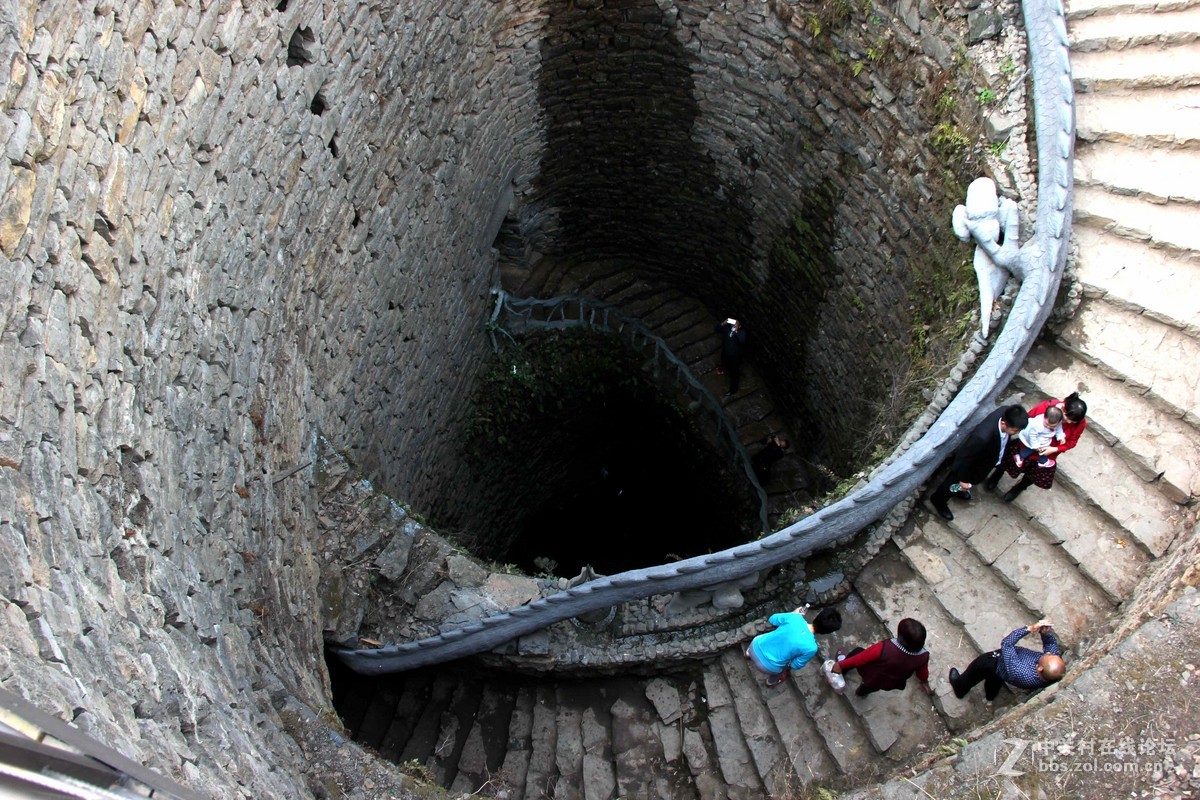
<point>792,644</point>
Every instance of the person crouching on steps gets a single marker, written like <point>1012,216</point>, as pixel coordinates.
<point>792,644</point>
<point>887,665</point>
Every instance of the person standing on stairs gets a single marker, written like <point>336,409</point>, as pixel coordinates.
<point>1032,471</point>
<point>791,645</point>
<point>733,342</point>
<point>887,665</point>
<point>775,447</point>
<point>979,454</point>
<point>1017,666</point>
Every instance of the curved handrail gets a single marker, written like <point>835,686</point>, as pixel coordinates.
<point>596,314</point>
<point>1041,264</point>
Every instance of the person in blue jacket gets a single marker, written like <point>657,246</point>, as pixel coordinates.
<point>792,644</point>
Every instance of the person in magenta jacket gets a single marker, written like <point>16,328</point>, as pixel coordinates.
<point>887,665</point>
<point>791,645</point>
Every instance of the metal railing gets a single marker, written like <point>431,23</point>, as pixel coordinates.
<point>577,311</point>
<point>1041,263</point>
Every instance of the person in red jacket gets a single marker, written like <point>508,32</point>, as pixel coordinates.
<point>1032,471</point>
<point>887,665</point>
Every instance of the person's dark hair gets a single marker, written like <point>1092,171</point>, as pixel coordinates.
<point>911,634</point>
<point>1054,415</point>
<point>1015,417</point>
<point>1074,407</point>
<point>828,621</point>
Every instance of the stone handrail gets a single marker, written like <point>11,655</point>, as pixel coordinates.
<point>588,312</point>
<point>1041,264</point>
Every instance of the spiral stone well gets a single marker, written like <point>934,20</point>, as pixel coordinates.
<point>230,228</point>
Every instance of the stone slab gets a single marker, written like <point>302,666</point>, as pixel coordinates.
<point>966,588</point>
<point>733,754</point>
<point>1131,28</point>
<point>1170,225</point>
<point>1153,116</point>
<point>799,737</point>
<point>568,751</point>
<point>1139,66</point>
<point>832,716</point>
<point>1103,551</point>
<point>1156,175</point>
<point>1099,477</point>
<point>1140,351</point>
<point>541,775</point>
<point>637,752</point>
<point>599,773</point>
<point>899,723</point>
<point>704,772</point>
<point>893,590</point>
<point>1155,444</point>
<point>513,768</point>
<point>755,721</point>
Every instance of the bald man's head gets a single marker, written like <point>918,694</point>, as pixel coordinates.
<point>1051,668</point>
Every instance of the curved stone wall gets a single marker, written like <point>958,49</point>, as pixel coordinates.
<point>785,176</point>
<point>224,227</point>
<point>227,226</point>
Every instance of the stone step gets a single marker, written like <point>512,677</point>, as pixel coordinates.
<point>568,749</point>
<point>756,723</point>
<point>541,774</point>
<point>602,285</point>
<point>424,739</point>
<point>1101,549</point>
<point>844,737</point>
<point>1142,280</point>
<point>1168,224</point>
<point>1133,29</point>
<point>900,723</point>
<point>483,749</point>
<point>417,689</point>
<point>738,769</point>
<point>805,749</point>
<point>355,708</point>
<point>1147,66</point>
<point>892,590</point>
<point>455,725</point>
<point>378,718</point>
<point>514,767</point>
<point>678,331</point>
<point>1149,117</point>
<point>1045,579</point>
<point>1149,356</point>
<point>1079,9</point>
<point>641,765</point>
<point>1102,480</point>
<point>1156,445</point>
<point>1154,175</point>
<point>970,592</point>
<point>599,769</point>
<point>700,754</point>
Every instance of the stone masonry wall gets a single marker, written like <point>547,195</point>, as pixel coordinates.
<point>224,226</point>
<point>785,175</point>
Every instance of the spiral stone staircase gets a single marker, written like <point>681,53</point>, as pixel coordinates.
<point>1122,500</point>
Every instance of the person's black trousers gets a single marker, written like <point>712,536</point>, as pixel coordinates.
<point>981,669</point>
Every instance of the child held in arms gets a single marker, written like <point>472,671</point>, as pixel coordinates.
<point>1042,431</point>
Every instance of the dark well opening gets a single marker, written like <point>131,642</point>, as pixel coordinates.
<point>580,455</point>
